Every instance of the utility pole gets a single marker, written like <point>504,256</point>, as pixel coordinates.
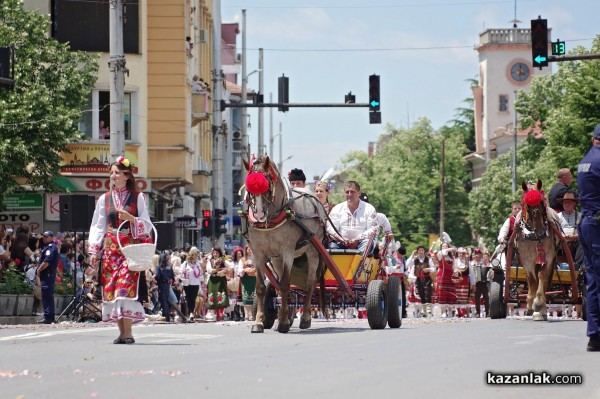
<point>244,91</point>
<point>514,151</point>
<point>271,138</point>
<point>116,65</point>
<point>217,125</point>
<point>442,189</point>
<point>280,149</point>
<point>261,133</point>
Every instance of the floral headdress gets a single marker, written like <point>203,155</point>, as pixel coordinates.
<point>123,161</point>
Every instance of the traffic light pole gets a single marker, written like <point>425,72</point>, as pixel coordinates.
<point>296,105</point>
<point>560,58</point>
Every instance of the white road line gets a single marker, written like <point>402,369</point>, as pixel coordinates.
<point>50,333</point>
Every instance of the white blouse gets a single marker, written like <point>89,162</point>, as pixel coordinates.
<point>99,226</point>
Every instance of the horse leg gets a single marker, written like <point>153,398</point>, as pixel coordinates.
<point>258,326</point>
<point>532,287</point>
<point>283,324</point>
<point>539,303</point>
<point>313,264</point>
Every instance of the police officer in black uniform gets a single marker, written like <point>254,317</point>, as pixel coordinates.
<point>588,182</point>
<point>47,272</point>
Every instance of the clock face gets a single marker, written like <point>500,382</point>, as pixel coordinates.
<point>520,72</point>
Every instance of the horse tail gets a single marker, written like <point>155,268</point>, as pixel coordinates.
<point>322,302</point>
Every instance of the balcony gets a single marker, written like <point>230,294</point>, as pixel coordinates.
<point>200,107</point>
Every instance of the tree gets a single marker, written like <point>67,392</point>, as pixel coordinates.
<point>40,116</point>
<point>561,111</point>
<point>464,120</point>
<point>403,181</point>
<point>565,107</point>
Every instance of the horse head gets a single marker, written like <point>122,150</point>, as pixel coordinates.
<point>534,213</point>
<point>266,195</point>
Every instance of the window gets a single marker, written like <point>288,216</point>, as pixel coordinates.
<point>95,122</point>
<point>85,25</point>
<point>503,103</point>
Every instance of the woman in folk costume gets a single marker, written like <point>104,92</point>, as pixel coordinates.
<point>247,273</point>
<point>321,190</point>
<point>460,278</point>
<point>119,285</point>
<point>218,297</point>
<point>446,293</point>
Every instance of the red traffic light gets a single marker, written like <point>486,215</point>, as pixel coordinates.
<point>206,213</point>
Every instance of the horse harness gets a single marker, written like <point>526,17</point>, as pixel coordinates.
<point>283,214</point>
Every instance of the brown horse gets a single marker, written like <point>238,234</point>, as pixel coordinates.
<point>280,221</point>
<point>536,241</point>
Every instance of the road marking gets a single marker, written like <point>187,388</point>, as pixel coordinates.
<point>50,333</point>
<point>167,337</point>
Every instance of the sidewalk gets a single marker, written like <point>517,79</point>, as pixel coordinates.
<point>11,320</point>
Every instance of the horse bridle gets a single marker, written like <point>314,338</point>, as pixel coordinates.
<point>528,222</point>
<point>271,191</point>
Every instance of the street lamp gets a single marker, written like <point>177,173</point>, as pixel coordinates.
<point>245,110</point>
<point>281,163</point>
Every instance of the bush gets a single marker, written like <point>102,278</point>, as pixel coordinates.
<point>14,282</point>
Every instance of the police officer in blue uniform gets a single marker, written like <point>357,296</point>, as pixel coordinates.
<point>47,272</point>
<point>588,183</point>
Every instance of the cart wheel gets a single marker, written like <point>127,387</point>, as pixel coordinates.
<point>269,306</point>
<point>497,305</point>
<point>376,305</point>
<point>394,302</point>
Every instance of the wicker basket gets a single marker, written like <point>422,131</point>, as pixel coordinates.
<point>139,256</point>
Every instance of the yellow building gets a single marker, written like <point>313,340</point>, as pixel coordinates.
<point>167,127</point>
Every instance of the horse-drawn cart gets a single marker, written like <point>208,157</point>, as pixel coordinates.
<point>351,280</point>
<point>536,274</point>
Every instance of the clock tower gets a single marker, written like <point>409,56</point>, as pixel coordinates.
<point>504,68</point>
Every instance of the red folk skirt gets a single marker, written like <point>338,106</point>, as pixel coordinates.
<point>119,284</point>
<point>446,292</point>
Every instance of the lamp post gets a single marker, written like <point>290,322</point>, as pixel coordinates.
<point>514,152</point>
<point>281,163</point>
<point>245,110</point>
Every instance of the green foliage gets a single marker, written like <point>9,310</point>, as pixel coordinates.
<point>14,282</point>
<point>40,116</point>
<point>564,108</point>
<point>403,181</point>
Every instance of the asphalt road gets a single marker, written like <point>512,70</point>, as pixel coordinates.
<point>427,358</point>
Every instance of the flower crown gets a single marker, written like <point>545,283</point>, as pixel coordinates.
<point>123,161</point>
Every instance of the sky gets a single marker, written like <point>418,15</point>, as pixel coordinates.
<point>423,51</point>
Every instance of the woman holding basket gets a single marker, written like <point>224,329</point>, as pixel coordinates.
<point>123,203</point>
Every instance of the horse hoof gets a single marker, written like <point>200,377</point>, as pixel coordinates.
<point>257,328</point>
<point>304,324</point>
<point>537,316</point>
<point>283,328</point>
<point>529,312</point>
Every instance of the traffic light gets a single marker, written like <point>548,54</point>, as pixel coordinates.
<point>283,93</point>
<point>539,42</point>
<point>374,101</point>
<point>207,224</point>
<point>220,224</point>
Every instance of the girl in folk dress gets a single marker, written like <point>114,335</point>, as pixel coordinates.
<point>460,277</point>
<point>248,282</point>
<point>322,193</point>
<point>119,284</point>
<point>217,298</point>
<point>446,292</point>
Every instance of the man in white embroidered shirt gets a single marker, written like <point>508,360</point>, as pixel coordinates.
<point>353,222</point>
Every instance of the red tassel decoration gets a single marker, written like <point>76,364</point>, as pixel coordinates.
<point>256,183</point>
<point>532,198</point>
